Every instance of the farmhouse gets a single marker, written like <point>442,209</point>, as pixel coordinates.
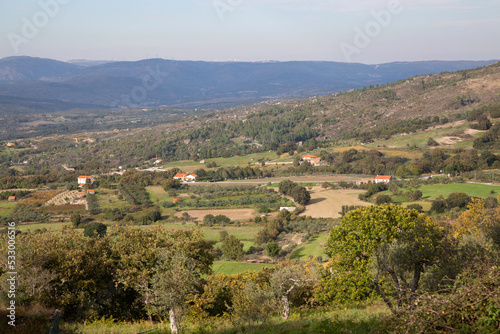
<point>383,179</point>
<point>11,144</point>
<point>186,177</point>
<point>309,157</point>
<point>158,161</point>
<point>12,198</point>
<point>82,180</point>
<point>312,159</point>
<point>80,195</point>
<point>91,191</point>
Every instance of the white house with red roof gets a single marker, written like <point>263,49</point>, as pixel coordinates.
<point>312,159</point>
<point>383,179</point>
<point>82,180</point>
<point>185,177</point>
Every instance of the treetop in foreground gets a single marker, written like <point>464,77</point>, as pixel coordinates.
<point>379,248</point>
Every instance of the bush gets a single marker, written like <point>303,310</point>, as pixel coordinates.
<point>457,200</point>
<point>473,306</point>
<point>95,229</point>
<point>417,207</point>
<point>432,142</point>
<point>439,205</point>
<point>272,249</point>
<point>383,199</point>
<point>232,248</point>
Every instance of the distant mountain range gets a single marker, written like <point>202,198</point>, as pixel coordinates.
<point>191,84</point>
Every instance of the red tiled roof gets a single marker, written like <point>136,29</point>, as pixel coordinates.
<point>383,177</point>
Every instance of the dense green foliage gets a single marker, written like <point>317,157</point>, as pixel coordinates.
<point>403,240</point>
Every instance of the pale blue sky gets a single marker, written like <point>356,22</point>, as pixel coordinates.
<point>252,30</point>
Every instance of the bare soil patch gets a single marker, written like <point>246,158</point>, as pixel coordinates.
<point>233,214</point>
<point>327,203</point>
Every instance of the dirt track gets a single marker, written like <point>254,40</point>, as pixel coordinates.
<point>328,203</point>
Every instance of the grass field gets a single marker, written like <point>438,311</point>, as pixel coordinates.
<point>231,268</point>
<point>227,162</point>
<point>109,200</point>
<point>432,192</point>
<point>314,247</point>
<point>6,208</point>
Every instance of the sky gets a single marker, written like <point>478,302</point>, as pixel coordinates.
<point>364,31</point>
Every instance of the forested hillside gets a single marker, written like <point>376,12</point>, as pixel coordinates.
<point>360,116</point>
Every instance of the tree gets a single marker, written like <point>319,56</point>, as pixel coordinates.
<point>209,219</point>
<point>254,302</point>
<point>272,249</point>
<point>171,184</point>
<point>175,279</point>
<point>478,221</point>
<point>286,186</point>
<point>301,195</point>
<point>398,242</point>
<point>416,195</point>
<point>290,277</point>
<point>76,219</point>
<point>232,248</point>
<point>383,199</point>
<point>95,229</point>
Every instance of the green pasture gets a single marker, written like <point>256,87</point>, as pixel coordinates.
<point>231,268</point>
<point>314,247</point>
<point>6,208</point>
<point>243,160</point>
<point>431,192</point>
<point>107,199</point>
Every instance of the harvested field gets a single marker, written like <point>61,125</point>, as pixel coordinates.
<point>233,214</point>
<point>327,203</point>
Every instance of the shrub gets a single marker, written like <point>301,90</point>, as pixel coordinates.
<point>383,199</point>
<point>272,249</point>
<point>432,142</point>
<point>473,306</point>
<point>232,248</point>
<point>415,206</point>
<point>95,229</point>
<point>438,205</point>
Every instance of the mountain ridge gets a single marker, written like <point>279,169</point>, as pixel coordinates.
<point>192,84</point>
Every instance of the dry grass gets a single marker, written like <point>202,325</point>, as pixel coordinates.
<point>327,203</point>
